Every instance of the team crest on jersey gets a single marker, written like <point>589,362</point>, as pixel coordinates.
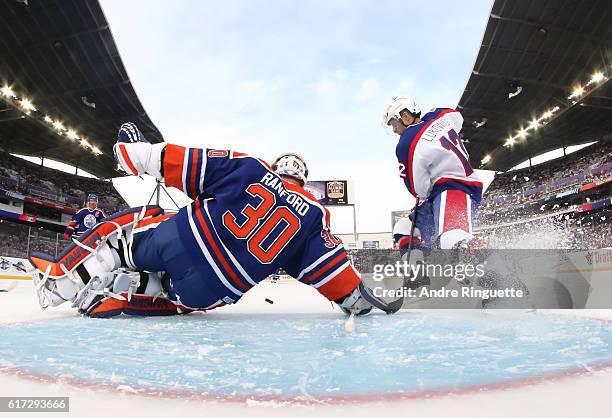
<point>89,221</point>
<point>335,189</point>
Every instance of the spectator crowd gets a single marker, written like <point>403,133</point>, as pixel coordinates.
<point>18,240</point>
<point>530,185</point>
<point>27,178</point>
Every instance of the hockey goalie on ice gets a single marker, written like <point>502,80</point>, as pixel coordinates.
<point>247,220</point>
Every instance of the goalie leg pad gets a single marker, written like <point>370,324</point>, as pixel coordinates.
<point>102,249</point>
<point>139,305</point>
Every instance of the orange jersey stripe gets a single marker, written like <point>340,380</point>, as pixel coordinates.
<point>341,285</point>
<point>153,220</point>
<point>126,158</point>
<point>173,165</point>
<point>326,267</point>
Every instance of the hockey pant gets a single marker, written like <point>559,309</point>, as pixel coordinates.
<point>191,281</point>
<point>446,219</point>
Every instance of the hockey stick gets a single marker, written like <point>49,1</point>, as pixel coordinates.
<point>412,229</point>
<point>394,306</point>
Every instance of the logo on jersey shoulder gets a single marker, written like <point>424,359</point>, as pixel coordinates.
<point>218,153</point>
<point>89,220</point>
<point>330,239</point>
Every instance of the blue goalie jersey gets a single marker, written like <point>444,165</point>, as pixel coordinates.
<point>248,222</point>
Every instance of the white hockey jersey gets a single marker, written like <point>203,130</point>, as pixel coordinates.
<point>432,157</point>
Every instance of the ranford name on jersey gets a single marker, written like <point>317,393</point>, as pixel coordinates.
<point>293,199</point>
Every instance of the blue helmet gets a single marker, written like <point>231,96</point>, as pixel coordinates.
<point>91,197</point>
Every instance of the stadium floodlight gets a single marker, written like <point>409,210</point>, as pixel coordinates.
<point>535,124</point>
<point>27,106</point>
<point>522,133</point>
<point>72,134</point>
<point>7,91</point>
<point>509,142</point>
<point>59,125</point>
<point>96,150</point>
<point>486,159</point>
<point>596,78</point>
<point>85,143</point>
<point>48,119</point>
<point>577,92</point>
<point>548,114</point>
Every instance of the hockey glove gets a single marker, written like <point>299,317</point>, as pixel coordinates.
<point>135,154</point>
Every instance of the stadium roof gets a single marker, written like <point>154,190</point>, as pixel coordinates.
<point>539,56</point>
<point>60,54</point>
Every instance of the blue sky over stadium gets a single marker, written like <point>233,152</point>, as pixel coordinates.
<point>311,77</point>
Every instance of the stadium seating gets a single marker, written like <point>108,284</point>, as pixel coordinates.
<point>517,198</point>
<point>21,176</point>
<point>530,184</point>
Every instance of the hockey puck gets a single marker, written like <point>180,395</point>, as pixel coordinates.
<point>269,301</point>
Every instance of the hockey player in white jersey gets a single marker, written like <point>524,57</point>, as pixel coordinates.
<point>435,167</point>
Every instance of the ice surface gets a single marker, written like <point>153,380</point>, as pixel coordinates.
<point>307,354</point>
<point>468,346</point>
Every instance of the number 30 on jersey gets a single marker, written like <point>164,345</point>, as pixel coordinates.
<point>266,230</point>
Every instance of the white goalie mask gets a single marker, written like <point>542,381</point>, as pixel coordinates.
<point>292,165</point>
<point>396,105</point>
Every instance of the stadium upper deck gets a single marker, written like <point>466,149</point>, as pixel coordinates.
<point>63,87</point>
<point>541,80</point>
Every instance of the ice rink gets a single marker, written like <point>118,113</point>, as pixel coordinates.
<point>294,358</point>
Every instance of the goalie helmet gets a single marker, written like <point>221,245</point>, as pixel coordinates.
<point>292,165</point>
<point>397,105</point>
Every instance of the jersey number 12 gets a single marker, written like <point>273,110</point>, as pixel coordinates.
<point>454,144</point>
